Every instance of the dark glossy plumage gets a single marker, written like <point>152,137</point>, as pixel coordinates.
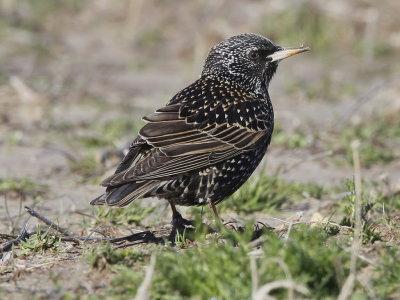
<point>206,142</point>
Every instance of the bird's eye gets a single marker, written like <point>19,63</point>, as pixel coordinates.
<point>253,54</point>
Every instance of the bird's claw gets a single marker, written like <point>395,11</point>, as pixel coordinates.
<point>180,222</point>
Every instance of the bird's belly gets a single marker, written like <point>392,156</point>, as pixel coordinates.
<point>212,184</point>
<point>233,173</point>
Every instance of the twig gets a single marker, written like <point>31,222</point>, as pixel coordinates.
<point>66,236</point>
<point>36,214</point>
<point>135,238</point>
<point>8,236</point>
<point>22,235</point>
<point>349,283</point>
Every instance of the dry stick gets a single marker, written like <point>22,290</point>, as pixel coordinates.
<point>35,214</point>
<point>22,235</point>
<point>138,237</point>
<point>7,236</point>
<point>348,286</point>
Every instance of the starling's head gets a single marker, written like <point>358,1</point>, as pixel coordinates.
<point>248,59</point>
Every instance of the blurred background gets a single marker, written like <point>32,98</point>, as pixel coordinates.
<point>77,76</point>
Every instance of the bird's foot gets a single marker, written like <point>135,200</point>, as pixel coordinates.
<point>179,222</point>
<point>181,228</point>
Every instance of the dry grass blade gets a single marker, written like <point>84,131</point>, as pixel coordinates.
<point>144,289</point>
<point>34,213</point>
<point>255,276</point>
<point>348,286</point>
<point>263,292</point>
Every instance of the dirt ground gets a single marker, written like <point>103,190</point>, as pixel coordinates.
<point>69,71</point>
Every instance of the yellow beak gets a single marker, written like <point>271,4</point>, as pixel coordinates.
<point>286,52</point>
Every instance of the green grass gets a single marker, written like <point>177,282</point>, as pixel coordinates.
<point>264,193</point>
<point>312,257</point>
<point>221,268</point>
<point>373,217</point>
<point>39,242</point>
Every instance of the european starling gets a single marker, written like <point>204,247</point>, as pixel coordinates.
<point>210,137</point>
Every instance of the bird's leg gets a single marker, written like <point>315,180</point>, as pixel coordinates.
<point>215,212</point>
<point>177,219</point>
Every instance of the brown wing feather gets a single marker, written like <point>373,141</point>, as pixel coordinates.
<point>190,134</point>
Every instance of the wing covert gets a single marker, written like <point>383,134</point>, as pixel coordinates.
<point>202,125</point>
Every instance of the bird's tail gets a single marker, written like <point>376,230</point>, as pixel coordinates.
<point>101,200</point>
<point>124,194</point>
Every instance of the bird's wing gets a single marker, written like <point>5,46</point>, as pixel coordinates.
<point>198,128</point>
